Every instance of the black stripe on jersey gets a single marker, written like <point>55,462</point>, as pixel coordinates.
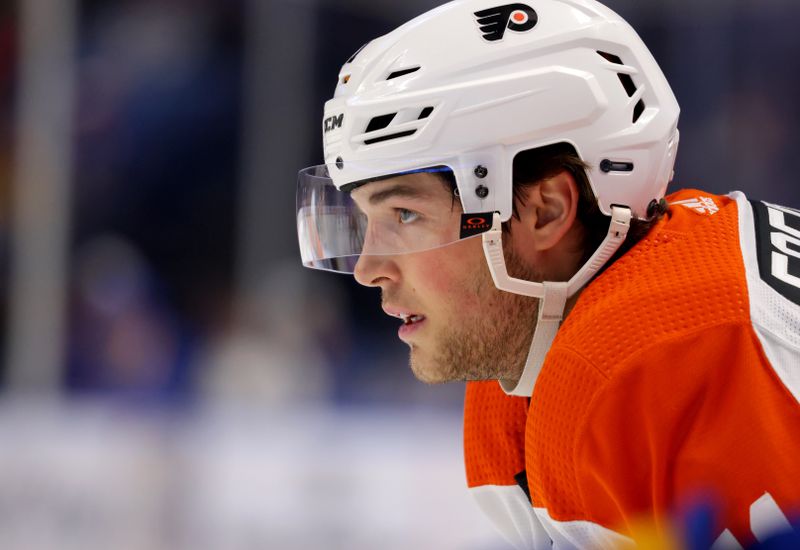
<point>779,270</point>
<point>522,480</point>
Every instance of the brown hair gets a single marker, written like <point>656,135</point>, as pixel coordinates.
<point>535,165</point>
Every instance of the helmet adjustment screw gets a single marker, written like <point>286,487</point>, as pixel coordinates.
<point>652,208</point>
<point>481,172</point>
<point>606,166</point>
<point>657,207</point>
<point>482,191</point>
<point>340,163</point>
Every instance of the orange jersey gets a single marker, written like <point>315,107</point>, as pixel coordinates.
<point>675,379</point>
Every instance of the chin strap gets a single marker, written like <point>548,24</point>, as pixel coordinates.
<point>552,295</point>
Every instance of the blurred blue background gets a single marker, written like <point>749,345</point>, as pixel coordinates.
<point>172,377</point>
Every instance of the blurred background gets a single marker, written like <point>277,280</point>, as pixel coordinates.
<point>171,376</point>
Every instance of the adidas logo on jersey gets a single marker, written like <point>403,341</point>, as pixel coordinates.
<point>701,205</point>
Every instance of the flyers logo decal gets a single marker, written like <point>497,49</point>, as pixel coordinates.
<point>514,17</point>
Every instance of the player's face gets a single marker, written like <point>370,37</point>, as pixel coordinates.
<point>457,324</point>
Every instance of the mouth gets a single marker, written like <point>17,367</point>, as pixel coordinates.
<point>411,321</point>
<point>408,317</point>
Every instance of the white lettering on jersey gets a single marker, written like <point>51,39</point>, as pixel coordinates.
<point>766,520</point>
<point>701,205</point>
<point>786,242</point>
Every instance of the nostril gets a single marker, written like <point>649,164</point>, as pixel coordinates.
<point>375,271</point>
<point>365,271</point>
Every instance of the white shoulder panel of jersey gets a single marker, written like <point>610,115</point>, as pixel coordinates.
<point>527,528</point>
<point>581,534</point>
<point>510,511</point>
<point>769,237</point>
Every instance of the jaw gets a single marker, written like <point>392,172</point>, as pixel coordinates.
<point>424,368</point>
<point>422,359</point>
<point>430,362</point>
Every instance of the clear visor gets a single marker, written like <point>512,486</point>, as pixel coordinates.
<point>409,212</point>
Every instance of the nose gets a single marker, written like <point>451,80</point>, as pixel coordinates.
<point>376,270</point>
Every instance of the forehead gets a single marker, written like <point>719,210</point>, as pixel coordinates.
<point>417,186</point>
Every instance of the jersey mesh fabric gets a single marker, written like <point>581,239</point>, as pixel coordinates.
<point>632,411</point>
<point>681,424</point>
<point>494,435</point>
<point>551,461</point>
<point>671,282</point>
<point>667,285</point>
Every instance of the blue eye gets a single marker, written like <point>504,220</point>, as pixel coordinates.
<point>406,216</point>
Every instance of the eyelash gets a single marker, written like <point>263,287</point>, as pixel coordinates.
<point>403,211</point>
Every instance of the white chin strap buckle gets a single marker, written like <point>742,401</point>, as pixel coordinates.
<point>552,295</point>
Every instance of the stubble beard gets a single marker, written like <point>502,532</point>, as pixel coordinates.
<point>491,343</point>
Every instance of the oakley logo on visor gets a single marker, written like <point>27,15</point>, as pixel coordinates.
<point>515,17</point>
<point>475,224</point>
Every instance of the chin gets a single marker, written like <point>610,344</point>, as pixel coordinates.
<point>427,370</point>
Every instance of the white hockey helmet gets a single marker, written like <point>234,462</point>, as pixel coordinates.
<point>472,83</point>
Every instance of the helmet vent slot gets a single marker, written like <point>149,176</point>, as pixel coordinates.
<point>638,110</point>
<point>402,72</point>
<point>611,58</point>
<point>627,83</point>
<point>426,112</point>
<point>380,122</point>
<point>390,137</point>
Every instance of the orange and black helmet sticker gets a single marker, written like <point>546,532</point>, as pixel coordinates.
<point>493,22</point>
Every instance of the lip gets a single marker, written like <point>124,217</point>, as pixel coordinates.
<point>406,330</point>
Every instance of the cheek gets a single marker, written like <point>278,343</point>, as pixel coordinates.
<point>451,276</point>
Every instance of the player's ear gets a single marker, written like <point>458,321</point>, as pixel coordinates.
<point>550,210</point>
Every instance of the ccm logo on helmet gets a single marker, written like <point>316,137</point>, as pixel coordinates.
<point>333,122</point>
<point>515,17</point>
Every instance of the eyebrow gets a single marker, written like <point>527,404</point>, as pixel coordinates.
<point>398,190</point>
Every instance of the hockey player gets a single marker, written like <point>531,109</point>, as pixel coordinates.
<point>499,173</point>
